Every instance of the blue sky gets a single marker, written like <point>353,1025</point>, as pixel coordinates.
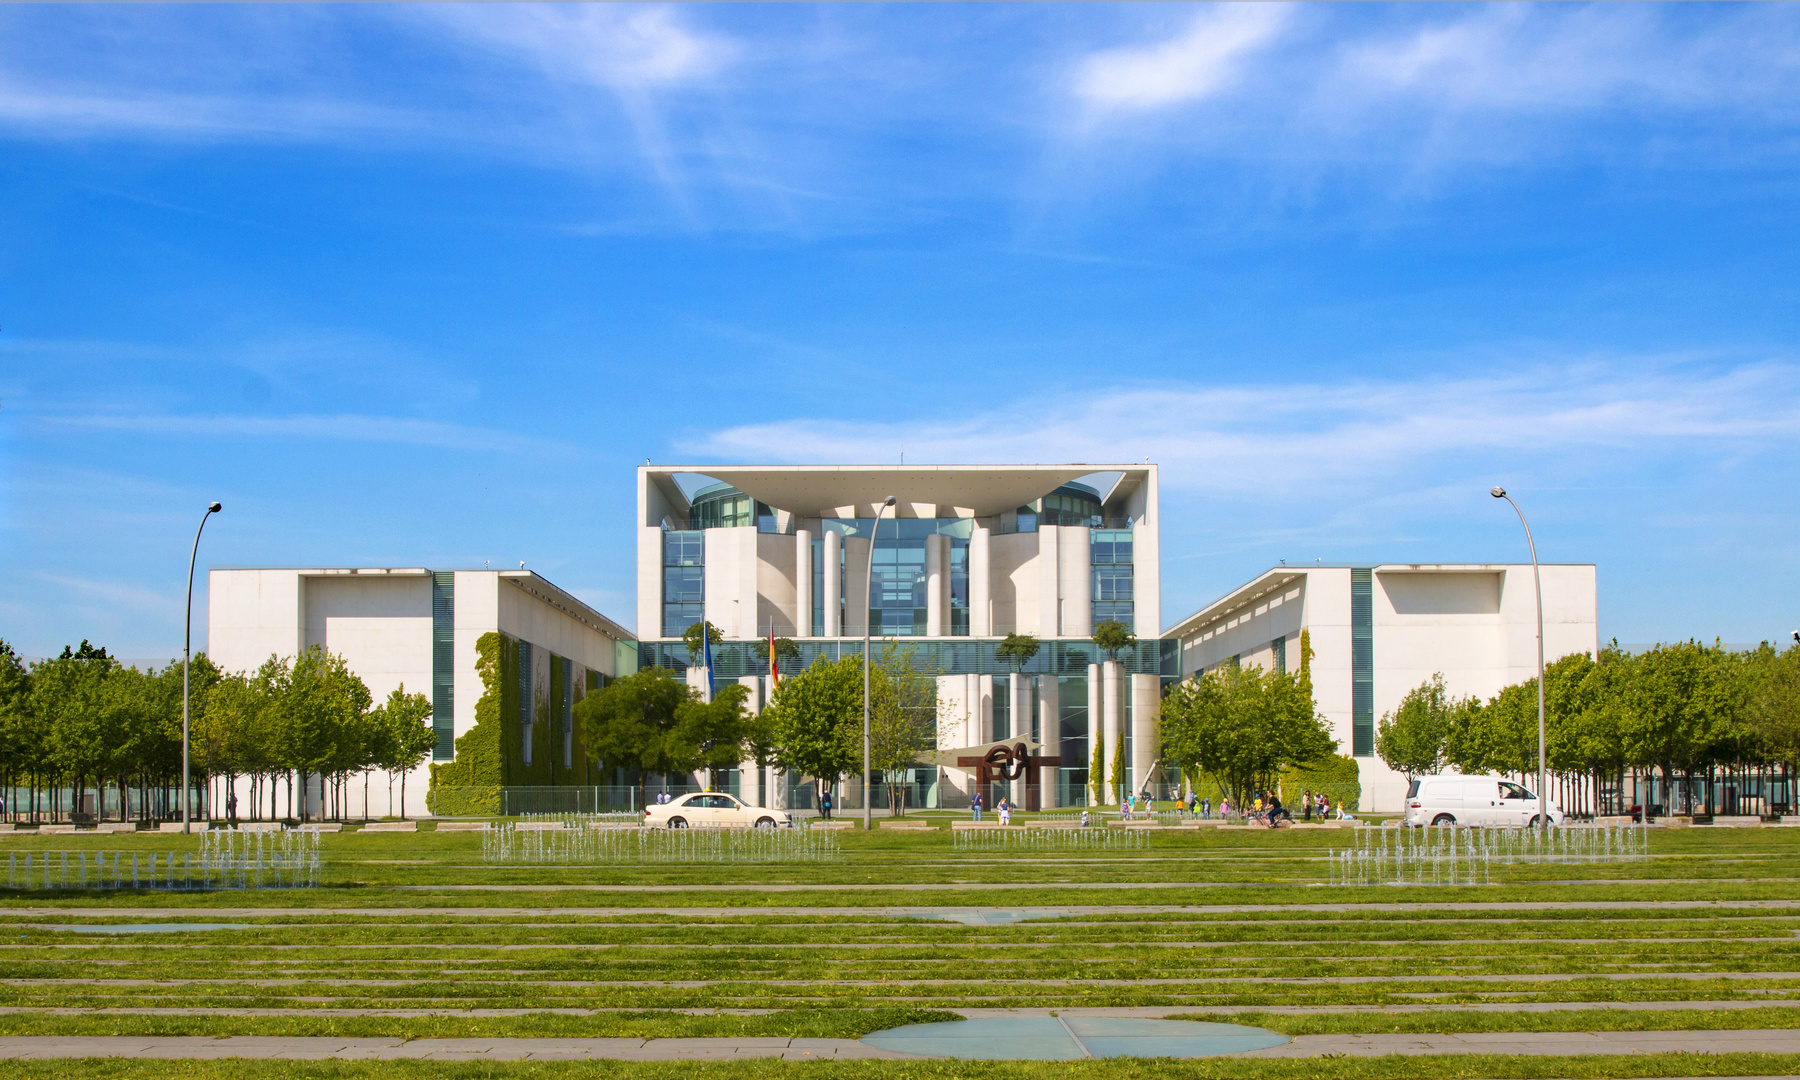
<point>420,286</point>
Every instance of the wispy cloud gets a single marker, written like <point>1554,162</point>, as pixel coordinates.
<point>1289,437</point>
<point>342,428</point>
<point>116,594</point>
<point>1195,63</point>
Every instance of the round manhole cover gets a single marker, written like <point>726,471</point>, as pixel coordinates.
<point>1071,1038</point>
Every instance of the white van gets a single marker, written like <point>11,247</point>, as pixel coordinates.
<point>1451,799</point>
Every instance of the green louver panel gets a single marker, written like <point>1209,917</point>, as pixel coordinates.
<point>443,663</point>
<point>1362,663</point>
<point>1279,647</point>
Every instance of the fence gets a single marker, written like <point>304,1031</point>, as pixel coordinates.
<point>1023,840</point>
<point>615,843</point>
<point>1466,855</point>
<point>226,860</point>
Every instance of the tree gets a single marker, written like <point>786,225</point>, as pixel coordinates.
<point>1242,725</point>
<point>1017,650</point>
<point>627,722</point>
<point>1111,638</point>
<point>815,719</point>
<point>402,736</point>
<point>1411,738</point>
<point>1097,766</point>
<point>902,718</point>
<point>321,702</point>
<point>1772,710</point>
<point>1117,779</point>
<point>691,637</point>
<point>786,650</point>
<point>1683,707</point>
<point>710,735</point>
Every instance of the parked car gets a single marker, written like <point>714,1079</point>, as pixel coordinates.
<point>713,810</point>
<point>1473,800</point>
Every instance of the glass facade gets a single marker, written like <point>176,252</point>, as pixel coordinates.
<point>1362,663</point>
<point>1113,576</point>
<point>722,506</point>
<point>684,580</point>
<point>1071,504</point>
<point>526,712</point>
<point>897,589</point>
<point>970,655</point>
<point>443,664</point>
<point>1279,648</point>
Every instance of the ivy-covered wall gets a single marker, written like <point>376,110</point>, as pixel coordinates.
<point>491,755</point>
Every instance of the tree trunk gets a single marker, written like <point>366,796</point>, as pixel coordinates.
<point>403,796</point>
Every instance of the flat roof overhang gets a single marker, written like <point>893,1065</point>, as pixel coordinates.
<point>856,490</point>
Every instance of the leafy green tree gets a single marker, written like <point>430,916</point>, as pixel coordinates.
<point>628,722</point>
<point>786,650</point>
<point>1411,738</point>
<point>1772,696</point>
<point>76,712</point>
<point>1097,767</point>
<point>1017,650</point>
<point>18,746</point>
<point>691,637</point>
<point>815,720</point>
<point>1111,638</point>
<point>903,718</point>
<point>1684,706</point>
<point>1242,725</point>
<point>711,736</point>
<point>317,708</point>
<point>402,736</point>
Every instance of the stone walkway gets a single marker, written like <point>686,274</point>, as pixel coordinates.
<point>501,1049</point>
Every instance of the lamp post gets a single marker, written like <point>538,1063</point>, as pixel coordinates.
<point>1537,583</point>
<point>187,661</point>
<point>868,618</point>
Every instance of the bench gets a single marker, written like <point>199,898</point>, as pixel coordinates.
<point>390,826</point>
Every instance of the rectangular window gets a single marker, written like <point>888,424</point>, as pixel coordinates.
<point>1001,726</point>
<point>684,580</point>
<point>1112,583</point>
<point>567,718</point>
<point>1279,648</point>
<point>1110,546</point>
<point>526,712</point>
<point>1362,663</point>
<point>443,664</point>
<point>1117,612</point>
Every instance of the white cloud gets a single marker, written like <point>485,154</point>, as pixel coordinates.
<point>351,428</point>
<point>1288,437</point>
<point>1197,63</point>
<point>597,44</point>
<point>116,594</point>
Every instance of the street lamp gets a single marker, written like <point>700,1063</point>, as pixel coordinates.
<point>868,618</point>
<point>1537,583</point>
<point>187,657</point>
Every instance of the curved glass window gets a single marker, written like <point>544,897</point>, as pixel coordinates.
<point>1071,504</point>
<point>721,506</point>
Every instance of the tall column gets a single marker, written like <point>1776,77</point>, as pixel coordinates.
<point>981,596</point>
<point>1096,727</point>
<point>985,728</point>
<point>1049,565</point>
<point>834,583</point>
<point>1077,581</point>
<point>803,583</point>
<point>1146,707</point>
<point>750,786</point>
<point>1050,734</point>
<point>936,576</point>
<point>856,585</point>
<point>972,710</point>
<point>1019,716</point>
<point>1112,705</point>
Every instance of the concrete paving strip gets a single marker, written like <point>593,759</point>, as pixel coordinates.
<point>509,1049</point>
<point>879,911</point>
<point>291,1048</point>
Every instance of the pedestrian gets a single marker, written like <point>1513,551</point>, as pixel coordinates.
<point>231,807</point>
<point>1206,807</point>
<point>1341,815</point>
<point>975,804</point>
<point>825,804</point>
<point>1150,804</point>
<point>1306,805</point>
<point>1005,809</point>
<point>1225,808</point>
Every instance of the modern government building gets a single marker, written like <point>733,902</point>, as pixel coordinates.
<point>966,555</point>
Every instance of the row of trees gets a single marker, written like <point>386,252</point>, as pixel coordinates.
<point>654,723</point>
<point>1684,709</point>
<point>82,720</point>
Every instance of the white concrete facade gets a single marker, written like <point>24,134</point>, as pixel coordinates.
<point>1474,623</point>
<point>380,620</point>
<point>1037,581</point>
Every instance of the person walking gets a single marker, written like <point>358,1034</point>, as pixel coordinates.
<point>1206,807</point>
<point>825,804</point>
<point>975,804</point>
<point>1005,809</point>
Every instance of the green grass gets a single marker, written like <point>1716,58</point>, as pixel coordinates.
<point>420,923</point>
<point>1447,1067</point>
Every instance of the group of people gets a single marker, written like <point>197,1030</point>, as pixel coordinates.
<point>1004,808</point>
